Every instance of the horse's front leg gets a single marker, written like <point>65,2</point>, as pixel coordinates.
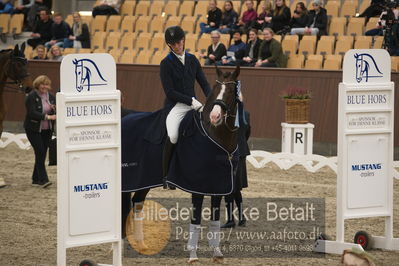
<point>195,227</point>
<point>214,229</point>
<point>137,219</point>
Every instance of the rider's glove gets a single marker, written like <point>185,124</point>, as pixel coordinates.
<point>196,105</point>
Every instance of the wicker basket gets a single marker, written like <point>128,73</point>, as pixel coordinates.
<point>297,111</point>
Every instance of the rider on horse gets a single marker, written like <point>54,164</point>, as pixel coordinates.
<point>179,70</point>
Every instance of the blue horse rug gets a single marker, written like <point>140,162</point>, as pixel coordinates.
<point>199,164</point>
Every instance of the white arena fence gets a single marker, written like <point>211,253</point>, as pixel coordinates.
<point>258,159</point>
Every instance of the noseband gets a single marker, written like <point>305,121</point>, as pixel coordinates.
<point>225,107</point>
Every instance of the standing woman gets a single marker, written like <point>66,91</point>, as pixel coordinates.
<point>80,37</point>
<point>39,126</point>
<point>281,16</point>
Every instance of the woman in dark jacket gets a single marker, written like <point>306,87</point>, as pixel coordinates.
<point>229,18</point>
<point>215,51</point>
<point>214,18</point>
<point>299,19</point>
<point>317,24</point>
<point>80,37</point>
<point>252,49</point>
<point>270,51</point>
<point>281,16</point>
<point>39,125</point>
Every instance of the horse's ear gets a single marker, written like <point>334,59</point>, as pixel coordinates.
<point>16,49</point>
<point>218,71</point>
<point>22,49</point>
<point>236,72</point>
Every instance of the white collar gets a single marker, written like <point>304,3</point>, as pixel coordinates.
<point>181,57</point>
<point>214,47</point>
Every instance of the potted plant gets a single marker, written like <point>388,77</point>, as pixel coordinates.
<point>297,105</point>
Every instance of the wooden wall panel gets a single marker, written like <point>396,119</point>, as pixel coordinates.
<point>262,88</point>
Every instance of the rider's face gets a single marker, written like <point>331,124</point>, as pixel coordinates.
<point>178,47</point>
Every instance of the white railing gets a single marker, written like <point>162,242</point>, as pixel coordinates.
<point>258,159</point>
<point>20,139</point>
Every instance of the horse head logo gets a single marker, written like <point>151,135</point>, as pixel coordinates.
<point>87,74</point>
<point>366,67</point>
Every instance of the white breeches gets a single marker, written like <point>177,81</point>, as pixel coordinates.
<point>174,119</point>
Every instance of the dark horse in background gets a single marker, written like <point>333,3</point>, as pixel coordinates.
<point>13,67</point>
<point>218,120</point>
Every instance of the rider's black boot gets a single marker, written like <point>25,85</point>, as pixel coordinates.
<point>166,157</point>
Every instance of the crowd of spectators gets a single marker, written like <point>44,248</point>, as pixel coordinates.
<point>54,33</point>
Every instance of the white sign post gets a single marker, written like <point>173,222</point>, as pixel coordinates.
<point>89,155</point>
<point>365,147</point>
<point>297,138</point>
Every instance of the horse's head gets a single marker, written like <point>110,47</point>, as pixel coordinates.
<point>79,74</point>
<point>17,68</point>
<point>359,67</point>
<point>225,95</point>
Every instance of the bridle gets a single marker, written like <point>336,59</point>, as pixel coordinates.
<point>16,79</point>
<point>225,107</point>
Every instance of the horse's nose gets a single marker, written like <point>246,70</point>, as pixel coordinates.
<point>215,117</point>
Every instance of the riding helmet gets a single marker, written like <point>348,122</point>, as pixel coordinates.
<point>174,34</point>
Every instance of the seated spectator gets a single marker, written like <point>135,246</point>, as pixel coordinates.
<point>300,19</point>
<point>252,49</point>
<point>266,11</point>
<point>59,31</point>
<point>7,7</point>
<point>375,9</point>
<point>35,9</point>
<point>41,53</point>
<point>270,51</point>
<point>280,19</point>
<point>214,18</point>
<point>379,30</point>
<point>42,30</point>
<point>229,18</point>
<point>23,7</point>
<point>55,53</point>
<point>215,51</point>
<point>317,24</point>
<point>235,52</point>
<point>107,7</point>
<point>248,17</point>
<point>80,36</point>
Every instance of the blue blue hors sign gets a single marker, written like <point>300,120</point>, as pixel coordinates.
<point>87,73</point>
<point>366,66</point>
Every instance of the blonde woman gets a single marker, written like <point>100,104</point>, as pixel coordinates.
<point>281,16</point>
<point>214,18</point>
<point>55,53</point>
<point>80,37</point>
<point>39,126</point>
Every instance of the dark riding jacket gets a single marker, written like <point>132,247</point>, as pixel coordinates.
<point>34,111</point>
<point>178,80</point>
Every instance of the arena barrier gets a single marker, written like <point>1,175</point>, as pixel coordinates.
<point>365,150</point>
<point>258,159</point>
<point>89,155</point>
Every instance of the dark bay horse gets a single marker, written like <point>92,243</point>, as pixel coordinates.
<point>218,119</point>
<point>13,67</point>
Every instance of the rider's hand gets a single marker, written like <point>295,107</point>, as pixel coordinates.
<point>195,104</point>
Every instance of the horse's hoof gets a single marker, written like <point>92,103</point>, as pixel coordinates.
<point>192,261</point>
<point>218,260</point>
